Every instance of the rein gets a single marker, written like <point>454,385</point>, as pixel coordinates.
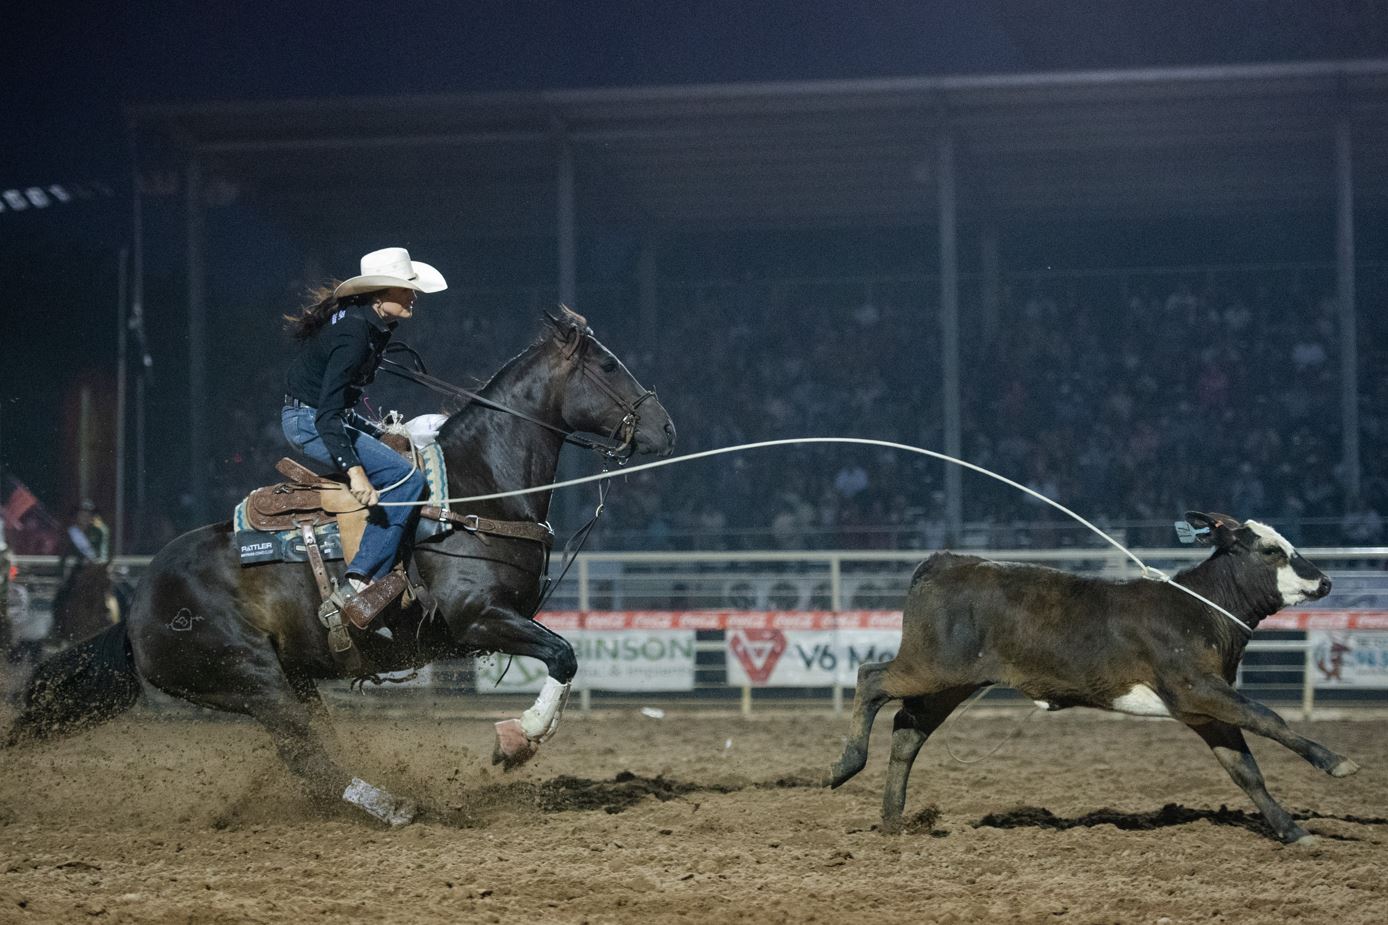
<point>626,427</point>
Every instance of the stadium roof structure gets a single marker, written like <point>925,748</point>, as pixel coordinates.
<point>1138,143</point>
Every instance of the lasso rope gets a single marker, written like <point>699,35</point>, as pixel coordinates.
<point>973,699</point>
<point>1147,571</point>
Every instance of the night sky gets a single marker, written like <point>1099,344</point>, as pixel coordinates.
<point>69,69</point>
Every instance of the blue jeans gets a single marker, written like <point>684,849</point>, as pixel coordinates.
<point>385,526</point>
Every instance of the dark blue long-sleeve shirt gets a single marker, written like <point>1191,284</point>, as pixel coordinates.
<point>330,370</point>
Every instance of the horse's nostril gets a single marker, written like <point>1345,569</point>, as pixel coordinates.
<point>1324,587</point>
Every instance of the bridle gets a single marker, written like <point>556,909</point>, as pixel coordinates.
<point>577,343</point>
<point>574,343</point>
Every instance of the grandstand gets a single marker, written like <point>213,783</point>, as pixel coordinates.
<point>1053,225</point>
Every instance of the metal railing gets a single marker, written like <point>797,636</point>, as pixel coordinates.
<point>1279,665</point>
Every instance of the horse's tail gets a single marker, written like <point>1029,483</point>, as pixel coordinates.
<point>83,685</point>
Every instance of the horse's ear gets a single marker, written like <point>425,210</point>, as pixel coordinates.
<point>573,317</point>
<point>569,328</point>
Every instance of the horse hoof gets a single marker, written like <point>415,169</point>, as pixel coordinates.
<point>513,748</point>
<point>1344,769</point>
<point>1306,841</point>
<point>379,804</point>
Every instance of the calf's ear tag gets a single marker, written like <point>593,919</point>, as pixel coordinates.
<point>1187,533</point>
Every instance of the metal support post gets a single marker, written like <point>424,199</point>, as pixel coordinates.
<point>949,330</point>
<point>197,345</point>
<point>836,605</point>
<point>122,375</point>
<point>585,696</point>
<point>1308,684</point>
<point>1345,286</point>
<point>647,282</point>
<point>565,503</point>
<point>990,289</point>
<point>568,277</point>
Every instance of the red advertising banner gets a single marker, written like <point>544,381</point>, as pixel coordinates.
<point>820,620</point>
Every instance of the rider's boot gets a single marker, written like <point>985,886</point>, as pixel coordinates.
<point>360,603</point>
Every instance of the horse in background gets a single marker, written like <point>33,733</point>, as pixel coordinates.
<point>88,601</point>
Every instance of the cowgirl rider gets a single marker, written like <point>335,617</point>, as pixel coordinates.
<point>342,334</point>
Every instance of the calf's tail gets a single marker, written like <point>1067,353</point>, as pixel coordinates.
<point>83,685</point>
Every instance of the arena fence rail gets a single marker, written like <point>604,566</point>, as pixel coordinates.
<point>783,628</point>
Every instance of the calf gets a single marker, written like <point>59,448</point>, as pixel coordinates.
<point>1137,646</point>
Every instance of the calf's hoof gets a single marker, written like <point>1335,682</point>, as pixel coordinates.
<point>838,775</point>
<point>513,747</point>
<point>849,764</point>
<point>1344,769</point>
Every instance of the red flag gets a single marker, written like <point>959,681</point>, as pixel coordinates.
<point>21,501</point>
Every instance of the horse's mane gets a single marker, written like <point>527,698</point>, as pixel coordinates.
<point>544,335</point>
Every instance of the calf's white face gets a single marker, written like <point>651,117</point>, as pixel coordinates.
<point>1297,579</point>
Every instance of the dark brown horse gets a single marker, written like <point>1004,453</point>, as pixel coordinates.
<point>247,640</point>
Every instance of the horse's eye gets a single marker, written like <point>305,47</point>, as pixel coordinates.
<point>609,366</point>
<point>1272,552</point>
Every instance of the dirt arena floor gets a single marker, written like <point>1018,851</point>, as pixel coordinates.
<point>1082,818</point>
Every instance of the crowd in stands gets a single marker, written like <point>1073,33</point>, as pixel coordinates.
<point>1127,402</point>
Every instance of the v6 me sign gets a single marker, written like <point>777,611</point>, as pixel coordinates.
<point>808,649</point>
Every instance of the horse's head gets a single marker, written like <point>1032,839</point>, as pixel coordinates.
<point>601,396</point>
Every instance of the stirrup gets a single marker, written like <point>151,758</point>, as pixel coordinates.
<point>330,615</point>
<point>361,607</point>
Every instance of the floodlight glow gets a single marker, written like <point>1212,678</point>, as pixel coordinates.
<point>52,194</point>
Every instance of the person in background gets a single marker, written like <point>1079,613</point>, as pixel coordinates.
<point>88,539</point>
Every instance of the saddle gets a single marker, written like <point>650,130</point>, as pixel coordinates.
<point>307,498</point>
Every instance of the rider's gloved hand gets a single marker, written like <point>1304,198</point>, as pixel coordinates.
<point>360,487</point>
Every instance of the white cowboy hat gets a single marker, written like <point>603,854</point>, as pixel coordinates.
<point>392,266</point>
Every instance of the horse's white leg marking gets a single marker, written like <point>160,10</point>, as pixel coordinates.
<point>540,721</point>
<point>1140,700</point>
<point>378,803</point>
